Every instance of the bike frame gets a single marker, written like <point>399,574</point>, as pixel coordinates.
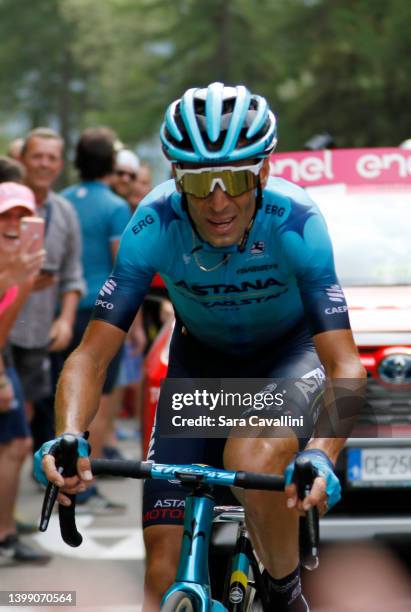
<point>192,573</point>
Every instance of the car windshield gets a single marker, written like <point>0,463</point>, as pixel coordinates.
<point>371,234</point>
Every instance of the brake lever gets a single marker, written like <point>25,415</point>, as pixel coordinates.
<point>304,476</point>
<point>66,463</point>
<point>49,500</point>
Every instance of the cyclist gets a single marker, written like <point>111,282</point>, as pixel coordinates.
<point>249,268</point>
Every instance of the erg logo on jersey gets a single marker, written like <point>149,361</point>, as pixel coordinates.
<point>273,209</point>
<point>148,220</point>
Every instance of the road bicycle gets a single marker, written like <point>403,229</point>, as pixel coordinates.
<point>191,592</point>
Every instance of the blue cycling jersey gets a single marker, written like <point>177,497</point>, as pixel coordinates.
<point>285,273</point>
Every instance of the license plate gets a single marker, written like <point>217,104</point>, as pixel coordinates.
<point>372,467</point>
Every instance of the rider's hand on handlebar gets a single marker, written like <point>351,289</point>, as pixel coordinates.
<point>45,469</point>
<point>326,489</point>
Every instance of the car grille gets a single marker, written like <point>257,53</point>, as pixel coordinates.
<point>386,405</point>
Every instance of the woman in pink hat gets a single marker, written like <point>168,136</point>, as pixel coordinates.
<point>17,263</point>
<point>19,266</point>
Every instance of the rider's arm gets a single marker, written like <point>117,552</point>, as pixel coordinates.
<point>339,356</point>
<point>81,382</point>
<point>345,378</point>
<point>78,395</point>
<point>326,313</point>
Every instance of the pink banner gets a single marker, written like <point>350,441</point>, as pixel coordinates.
<point>349,166</point>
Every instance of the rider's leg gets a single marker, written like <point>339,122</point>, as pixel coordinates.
<point>163,543</point>
<point>273,527</point>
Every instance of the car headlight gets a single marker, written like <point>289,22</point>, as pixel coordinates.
<point>396,369</point>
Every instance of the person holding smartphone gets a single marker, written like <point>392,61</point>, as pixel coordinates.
<point>21,257</point>
<point>39,331</point>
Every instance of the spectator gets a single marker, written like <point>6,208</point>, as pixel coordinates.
<point>141,187</point>
<point>38,330</point>
<point>103,216</point>
<point>127,170</point>
<point>15,148</point>
<point>11,170</point>
<point>126,173</point>
<point>18,268</point>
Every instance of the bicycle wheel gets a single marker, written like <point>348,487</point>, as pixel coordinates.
<point>179,602</point>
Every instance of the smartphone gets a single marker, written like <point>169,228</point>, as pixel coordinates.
<point>32,232</point>
<point>48,268</point>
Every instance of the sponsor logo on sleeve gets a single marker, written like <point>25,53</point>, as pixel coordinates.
<point>335,294</point>
<point>104,304</point>
<point>148,220</point>
<point>108,287</point>
<point>273,209</point>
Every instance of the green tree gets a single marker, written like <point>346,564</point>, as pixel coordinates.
<point>340,66</point>
<point>167,47</point>
<point>348,74</point>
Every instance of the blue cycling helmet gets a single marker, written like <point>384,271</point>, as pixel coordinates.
<point>218,124</point>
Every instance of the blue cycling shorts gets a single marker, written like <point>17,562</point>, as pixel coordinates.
<point>293,357</point>
<point>13,423</point>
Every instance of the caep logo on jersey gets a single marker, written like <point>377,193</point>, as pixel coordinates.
<point>336,294</point>
<point>108,287</point>
<point>336,310</point>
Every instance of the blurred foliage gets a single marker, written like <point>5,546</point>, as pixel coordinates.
<point>341,66</point>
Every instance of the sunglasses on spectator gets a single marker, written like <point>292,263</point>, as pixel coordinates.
<point>234,180</point>
<point>132,175</point>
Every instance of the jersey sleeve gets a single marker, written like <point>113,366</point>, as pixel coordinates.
<point>124,290</point>
<point>309,246</point>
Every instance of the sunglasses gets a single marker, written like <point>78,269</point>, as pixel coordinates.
<point>132,175</point>
<point>234,180</point>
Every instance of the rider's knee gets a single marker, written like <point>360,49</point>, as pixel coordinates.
<point>267,455</point>
<point>160,575</point>
<point>163,545</point>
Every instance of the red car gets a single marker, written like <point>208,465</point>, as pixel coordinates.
<point>365,196</point>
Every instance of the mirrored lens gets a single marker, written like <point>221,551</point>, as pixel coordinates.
<point>234,183</point>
